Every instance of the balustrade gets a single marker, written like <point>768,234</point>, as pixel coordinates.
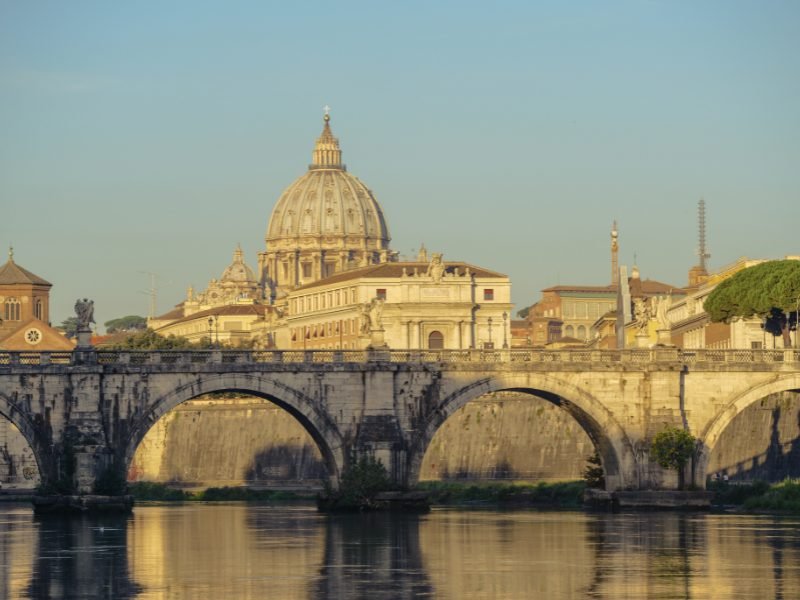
<point>636,356</point>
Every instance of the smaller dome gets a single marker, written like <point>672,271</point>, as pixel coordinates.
<point>238,271</point>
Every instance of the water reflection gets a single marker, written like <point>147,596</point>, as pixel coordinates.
<point>81,557</point>
<point>292,552</point>
<point>373,556</point>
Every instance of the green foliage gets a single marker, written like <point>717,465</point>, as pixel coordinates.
<point>782,497</point>
<point>769,290</point>
<point>523,312</point>
<point>360,482</point>
<point>150,340</point>
<point>726,493</point>
<point>672,448</point>
<point>129,323</point>
<point>564,494</point>
<point>593,474</point>
<point>70,326</point>
<point>111,482</point>
<point>144,490</point>
<point>229,494</point>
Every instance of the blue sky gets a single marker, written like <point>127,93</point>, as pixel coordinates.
<point>154,137</point>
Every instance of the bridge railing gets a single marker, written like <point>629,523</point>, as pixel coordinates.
<point>514,355</point>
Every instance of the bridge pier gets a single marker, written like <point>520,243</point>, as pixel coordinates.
<point>84,412</point>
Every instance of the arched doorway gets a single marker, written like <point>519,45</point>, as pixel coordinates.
<point>435,340</point>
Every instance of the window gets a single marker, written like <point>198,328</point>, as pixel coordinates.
<point>37,309</point>
<point>756,346</point>
<point>568,331</point>
<point>581,332</point>
<point>306,269</point>
<point>380,293</point>
<point>488,294</point>
<point>12,310</point>
<point>435,340</point>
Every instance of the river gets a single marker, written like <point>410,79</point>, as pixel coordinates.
<point>290,551</point>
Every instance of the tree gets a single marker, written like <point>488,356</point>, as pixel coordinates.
<point>672,448</point>
<point>770,290</point>
<point>70,326</point>
<point>129,323</point>
<point>593,474</point>
<point>524,312</point>
<point>150,340</point>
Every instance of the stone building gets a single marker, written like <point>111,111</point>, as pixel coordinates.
<point>231,310</point>
<point>326,222</point>
<point>406,305</point>
<point>328,272</point>
<point>691,327</point>
<point>25,311</point>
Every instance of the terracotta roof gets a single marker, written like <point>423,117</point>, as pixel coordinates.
<point>651,286</point>
<point>582,288</point>
<point>230,310</point>
<point>390,270</point>
<point>175,313</point>
<point>11,273</point>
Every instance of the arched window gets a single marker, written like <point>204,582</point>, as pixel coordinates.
<point>569,331</point>
<point>37,309</point>
<point>581,332</point>
<point>12,310</point>
<point>435,340</point>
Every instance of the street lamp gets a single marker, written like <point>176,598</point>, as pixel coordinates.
<point>210,325</point>
<point>505,330</point>
<point>490,344</point>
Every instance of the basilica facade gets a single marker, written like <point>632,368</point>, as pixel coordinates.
<point>328,279</point>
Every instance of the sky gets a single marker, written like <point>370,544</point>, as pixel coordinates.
<point>153,137</point>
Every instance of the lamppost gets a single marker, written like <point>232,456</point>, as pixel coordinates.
<point>213,324</point>
<point>490,344</point>
<point>505,330</point>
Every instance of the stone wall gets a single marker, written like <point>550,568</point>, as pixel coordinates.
<point>763,442</point>
<point>501,436</point>
<point>507,435</point>
<point>18,468</point>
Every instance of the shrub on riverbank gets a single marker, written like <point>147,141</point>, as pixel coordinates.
<point>360,483</point>
<point>563,494</point>
<point>782,497</point>
<point>144,491</point>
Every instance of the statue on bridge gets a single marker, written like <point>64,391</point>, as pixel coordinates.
<point>372,315</point>
<point>84,310</point>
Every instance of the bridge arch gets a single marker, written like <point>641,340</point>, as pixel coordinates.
<point>36,434</point>
<point>320,427</point>
<point>610,439</point>
<point>709,437</point>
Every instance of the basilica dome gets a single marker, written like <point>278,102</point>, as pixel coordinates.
<point>327,201</point>
<point>238,271</point>
<point>325,222</point>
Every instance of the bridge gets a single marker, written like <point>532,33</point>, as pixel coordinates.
<point>85,412</point>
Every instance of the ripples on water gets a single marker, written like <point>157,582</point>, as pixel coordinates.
<point>248,552</point>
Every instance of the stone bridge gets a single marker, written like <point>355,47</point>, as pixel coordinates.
<point>85,412</point>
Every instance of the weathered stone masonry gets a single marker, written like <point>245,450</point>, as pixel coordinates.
<point>97,406</point>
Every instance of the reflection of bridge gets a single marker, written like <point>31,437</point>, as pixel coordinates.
<point>98,406</point>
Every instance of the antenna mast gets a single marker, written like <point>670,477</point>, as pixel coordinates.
<point>702,251</point>
<point>152,292</point>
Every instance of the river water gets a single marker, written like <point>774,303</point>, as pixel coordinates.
<point>256,551</point>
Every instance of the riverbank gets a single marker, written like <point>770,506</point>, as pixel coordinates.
<point>756,497</point>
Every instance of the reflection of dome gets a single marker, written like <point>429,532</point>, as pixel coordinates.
<point>326,221</point>
<point>238,271</point>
